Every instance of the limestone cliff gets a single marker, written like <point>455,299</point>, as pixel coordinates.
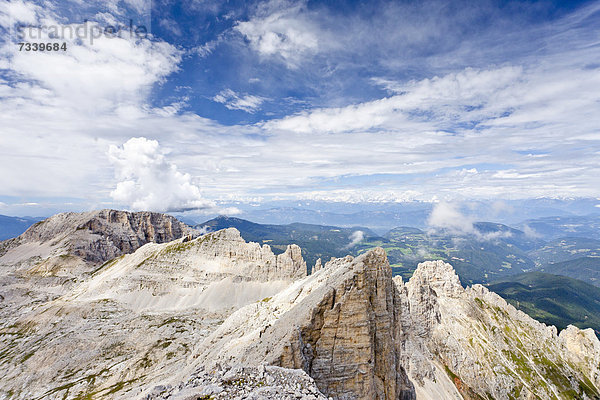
<point>94,237</point>
<point>487,347</point>
<point>339,325</point>
<point>361,334</point>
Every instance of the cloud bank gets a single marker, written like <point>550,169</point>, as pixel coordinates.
<point>502,111</point>
<point>446,216</point>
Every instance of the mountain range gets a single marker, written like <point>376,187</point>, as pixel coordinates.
<point>491,253</point>
<point>117,305</point>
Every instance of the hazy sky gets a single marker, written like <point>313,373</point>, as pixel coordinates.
<point>252,101</point>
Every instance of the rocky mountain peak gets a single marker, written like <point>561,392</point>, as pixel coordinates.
<point>439,276</point>
<point>291,262</point>
<point>94,237</point>
<point>228,234</point>
<point>339,325</point>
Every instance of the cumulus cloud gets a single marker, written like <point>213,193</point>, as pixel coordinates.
<point>148,181</point>
<point>355,238</point>
<point>83,99</point>
<point>235,101</point>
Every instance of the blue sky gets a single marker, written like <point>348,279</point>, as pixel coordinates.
<point>275,100</point>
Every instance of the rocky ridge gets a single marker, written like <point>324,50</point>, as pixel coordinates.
<point>94,237</point>
<point>486,346</point>
<point>338,325</point>
<point>55,255</point>
<point>359,336</point>
<point>216,317</point>
<point>132,323</point>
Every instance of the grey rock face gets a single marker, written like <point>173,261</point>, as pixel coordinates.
<point>350,346</point>
<point>361,334</point>
<point>340,326</point>
<point>487,347</point>
<point>130,326</point>
<point>96,236</point>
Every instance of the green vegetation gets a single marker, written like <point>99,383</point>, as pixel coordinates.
<point>565,249</point>
<point>553,299</point>
<point>561,227</point>
<point>586,269</point>
<point>462,388</point>
<point>108,264</point>
<point>476,260</point>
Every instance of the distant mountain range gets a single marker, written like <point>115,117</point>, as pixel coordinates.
<point>489,253</point>
<point>495,251</point>
<point>560,227</point>
<point>381,217</point>
<point>13,226</point>
<point>585,268</point>
<point>568,246</point>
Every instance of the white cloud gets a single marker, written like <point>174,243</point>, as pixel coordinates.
<point>499,207</point>
<point>355,238</point>
<point>235,101</point>
<point>389,85</point>
<point>446,216</point>
<point>530,232</point>
<point>463,133</point>
<point>439,99</point>
<point>281,29</point>
<point>148,181</point>
<point>59,111</point>
<point>101,75</point>
<point>18,11</point>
